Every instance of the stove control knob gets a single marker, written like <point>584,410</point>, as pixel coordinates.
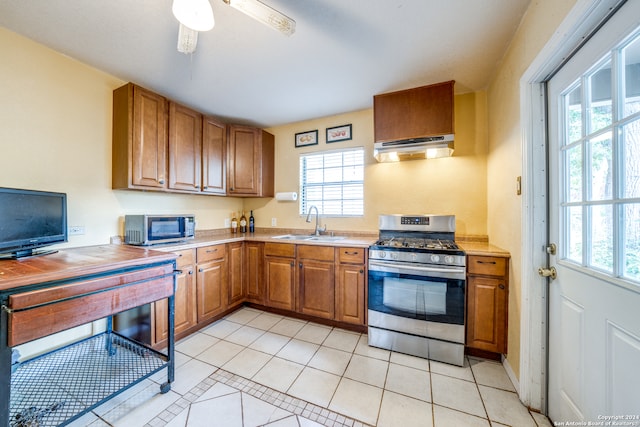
<point>394,255</point>
<point>448,259</point>
<point>382,254</point>
<point>435,258</point>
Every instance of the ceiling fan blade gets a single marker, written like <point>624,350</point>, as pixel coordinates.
<point>265,14</point>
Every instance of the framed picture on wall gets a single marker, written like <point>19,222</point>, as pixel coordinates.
<point>307,138</point>
<point>339,133</point>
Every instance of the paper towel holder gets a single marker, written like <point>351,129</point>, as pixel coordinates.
<point>289,196</point>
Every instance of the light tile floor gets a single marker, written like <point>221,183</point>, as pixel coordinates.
<point>253,368</point>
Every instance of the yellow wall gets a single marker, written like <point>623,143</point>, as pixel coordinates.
<point>55,134</point>
<point>504,161</point>
<point>455,185</point>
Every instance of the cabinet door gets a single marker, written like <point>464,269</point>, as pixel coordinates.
<point>185,306</point>
<point>486,314</point>
<point>185,148</point>
<point>211,285</point>
<point>244,160</point>
<point>253,271</point>
<point>317,288</point>
<point>214,157</point>
<point>236,273</point>
<point>350,286</point>
<point>139,157</point>
<point>280,277</point>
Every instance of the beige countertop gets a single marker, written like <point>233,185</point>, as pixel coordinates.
<point>472,245</point>
<point>214,237</point>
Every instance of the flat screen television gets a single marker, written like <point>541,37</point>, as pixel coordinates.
<point>30,220</point>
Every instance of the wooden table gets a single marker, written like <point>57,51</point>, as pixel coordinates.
<point>43,295</point>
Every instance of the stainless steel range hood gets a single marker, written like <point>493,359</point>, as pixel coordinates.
<point>414,149</point>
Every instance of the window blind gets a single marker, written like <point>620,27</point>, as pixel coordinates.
<point>333,182</point>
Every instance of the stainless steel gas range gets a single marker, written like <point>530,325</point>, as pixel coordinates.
<point>417,288</point>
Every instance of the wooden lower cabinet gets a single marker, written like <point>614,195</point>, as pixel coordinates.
<point>316,281</point>
<point>253,271</point>
<point>487,303</point>
<point>211,281</point>
<point>350,288</point>
<point>184,299</point>
<point>280,275</point>
<point>236,255</point>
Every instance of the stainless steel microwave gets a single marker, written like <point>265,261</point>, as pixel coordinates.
<point>154,229</point>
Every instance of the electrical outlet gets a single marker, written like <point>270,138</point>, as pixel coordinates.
<point>76,230</point>
<point>227,223</point>
<point>274,222</point>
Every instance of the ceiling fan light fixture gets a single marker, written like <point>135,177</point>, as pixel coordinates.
<point>265,14</point>
<point>194,14</point>
<point>187,39</point>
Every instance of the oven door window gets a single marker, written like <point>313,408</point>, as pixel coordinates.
<point>417,297</point>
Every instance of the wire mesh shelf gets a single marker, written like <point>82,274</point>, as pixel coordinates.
<point>60,386</point>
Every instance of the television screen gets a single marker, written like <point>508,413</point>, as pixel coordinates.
<point>31,219</point>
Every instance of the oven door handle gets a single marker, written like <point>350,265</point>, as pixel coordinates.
<point>423,270</point>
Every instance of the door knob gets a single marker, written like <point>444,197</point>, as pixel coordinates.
<point>548,272</point>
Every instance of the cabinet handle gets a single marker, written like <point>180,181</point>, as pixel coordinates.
<point>190,271</point>
<point>486,262</point>
<point>361,271</point>
<point>210,251</point>
<point>205,187</point>
<point>300,265</point>
<point>501,286</point>
<point>161,181</point>
<point>351,253</point>
<point>200,270</point>
<point>292,264</point>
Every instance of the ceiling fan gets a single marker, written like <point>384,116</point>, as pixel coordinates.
<point>197,15</point>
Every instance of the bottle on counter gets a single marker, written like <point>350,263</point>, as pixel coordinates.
<point>234,223</point>
<point>252,223</point>
<point>243,223</point>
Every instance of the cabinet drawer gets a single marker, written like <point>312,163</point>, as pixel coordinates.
<point>43,312</point>
<point>320,253</point>
<point>351,255</point>
<point>185,257</point>
<point>487,265</point>
<point>280,249</point>
<point>209,253</point>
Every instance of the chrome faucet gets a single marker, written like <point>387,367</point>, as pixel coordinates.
<point>318,229</point>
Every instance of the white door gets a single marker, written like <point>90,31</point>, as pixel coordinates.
<point>594,197</point>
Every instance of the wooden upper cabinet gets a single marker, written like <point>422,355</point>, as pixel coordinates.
<point>414,113</point>
<point>185,148</point>
<point>139,147</point>
<point>251,162</point>
<point>214,156</point>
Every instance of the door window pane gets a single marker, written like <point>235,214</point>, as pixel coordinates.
<point>600,111</point>
<point>574,169</point>
<point>574,226</point>
<point>573,103</point>
<point>631,174</point>
<point>631,55</point>
<point>602,237</point>
<point>601,173</point>
<point>632,241</point>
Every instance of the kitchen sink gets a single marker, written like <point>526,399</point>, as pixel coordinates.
<point>326,238</point>
<point>293,237</point>
<point>309,237</point>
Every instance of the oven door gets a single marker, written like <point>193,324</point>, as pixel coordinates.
<point>417,291</point>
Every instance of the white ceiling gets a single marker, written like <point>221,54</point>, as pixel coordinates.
<point>342,53</point>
